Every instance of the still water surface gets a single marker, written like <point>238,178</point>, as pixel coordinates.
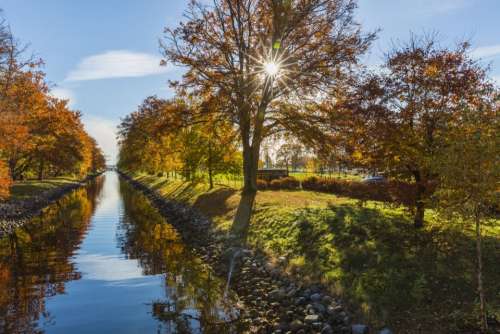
<point>102,260</point>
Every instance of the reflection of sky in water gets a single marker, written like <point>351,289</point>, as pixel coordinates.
<point>125,271</point>
<point>114,295</point>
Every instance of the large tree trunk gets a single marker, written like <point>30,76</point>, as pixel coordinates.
<point>480,289</point>
<point>419,201</point>
<point>241,221</point>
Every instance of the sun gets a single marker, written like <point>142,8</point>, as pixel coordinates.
<point>271,68</point>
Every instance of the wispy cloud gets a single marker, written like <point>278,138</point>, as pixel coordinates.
<point>487,51</point>
<point>64,94</point>
<point>116,64</point>
<point>104,131</point>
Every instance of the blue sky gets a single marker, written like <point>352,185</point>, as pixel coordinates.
<point>103,54</point>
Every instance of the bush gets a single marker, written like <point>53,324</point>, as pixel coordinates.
<point>160,174</point>
<point>392,191</point>
<point>289,183</point>
<point>262,184</point>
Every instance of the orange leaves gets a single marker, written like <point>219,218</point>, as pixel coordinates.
<point>5,181</point>
<point>39,134</point>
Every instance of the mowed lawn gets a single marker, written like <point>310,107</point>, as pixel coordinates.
<point>388,273</point>
<point>29,188</point>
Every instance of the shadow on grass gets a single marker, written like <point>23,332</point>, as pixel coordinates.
<point>413,280</point>
<point>214,203</point>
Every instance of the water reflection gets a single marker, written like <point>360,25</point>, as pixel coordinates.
<point>193,300</point>
<point>102,260</point>
<point>35,261</point>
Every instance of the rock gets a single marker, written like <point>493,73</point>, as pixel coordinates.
<point>319,307</point>
<point>300,301</point>
<point>327,329</point>
<point>277,294</point>
<point>326,300</point>
<point>317,325</point>
<point>296,325</point>
<point>309,319</point>
<point>315,297</point>
<point>385,331</point>
<point>359,329</point>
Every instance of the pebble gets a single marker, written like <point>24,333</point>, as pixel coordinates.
<point>359,329</point>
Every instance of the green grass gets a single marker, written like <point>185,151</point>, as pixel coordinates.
<point>414,281</point>
<point>26,189</point>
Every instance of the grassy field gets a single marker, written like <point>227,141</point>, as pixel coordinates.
<point>415,281</point>
<point>29,188</point>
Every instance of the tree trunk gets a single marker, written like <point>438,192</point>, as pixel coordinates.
<point>241,221</point>
<point>480,289</point>
<point>40,170</point>
<point>419,201</point>
<point>210,171</point>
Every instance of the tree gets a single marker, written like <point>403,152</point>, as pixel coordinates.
<point>161,136</point>
<point>254,55</point>
<point>469,175</point>
<point>290,154</point>
<point>402,115</point>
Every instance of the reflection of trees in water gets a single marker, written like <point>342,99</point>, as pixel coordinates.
<point>194,297</point>
<point>34,260</point>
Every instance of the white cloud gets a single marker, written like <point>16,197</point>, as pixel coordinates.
<point>104,131</point>
<point>108,267</point>
<point>117,64</point>
<point>487,51</point>
<point>64,94</point>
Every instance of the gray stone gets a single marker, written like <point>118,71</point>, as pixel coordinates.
<point>300,301</point>
<point>385,331</point>
<point>319,307</point>
<point>296,325</point>
<point>326,300</point>
<point>359,329</point>
<point>277,294</point>
<point>309,319</point>
<point>327,329</point>
<point>315,297</point>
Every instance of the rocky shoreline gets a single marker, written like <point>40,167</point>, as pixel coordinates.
<point>271,301</point>
<point>14,214</point>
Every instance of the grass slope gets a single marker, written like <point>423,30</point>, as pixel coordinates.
<point>26,189</point>
<point>414,281</point>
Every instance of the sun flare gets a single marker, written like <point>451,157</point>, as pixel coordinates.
<point>271,68</point>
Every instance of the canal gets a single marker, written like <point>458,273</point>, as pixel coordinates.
<point>103,260</point>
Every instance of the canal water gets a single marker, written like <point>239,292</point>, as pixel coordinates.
<point>103,260</point>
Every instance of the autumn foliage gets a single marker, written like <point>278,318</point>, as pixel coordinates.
<point>41,135</point>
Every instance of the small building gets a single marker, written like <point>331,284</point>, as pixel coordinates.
<point>270,174</point>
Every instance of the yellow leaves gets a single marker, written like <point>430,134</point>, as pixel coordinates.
<point>431,70</point>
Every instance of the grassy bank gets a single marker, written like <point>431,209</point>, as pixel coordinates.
<point>388,272</point>
<point>29,188</point>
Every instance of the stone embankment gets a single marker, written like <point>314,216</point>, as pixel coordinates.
<point>270,301</point>
<point>15,213</point>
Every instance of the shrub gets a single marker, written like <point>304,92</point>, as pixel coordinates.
<point>160,174</point>
<point>288,183</point>
<point>262,184</point>
<point>393,191</point>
